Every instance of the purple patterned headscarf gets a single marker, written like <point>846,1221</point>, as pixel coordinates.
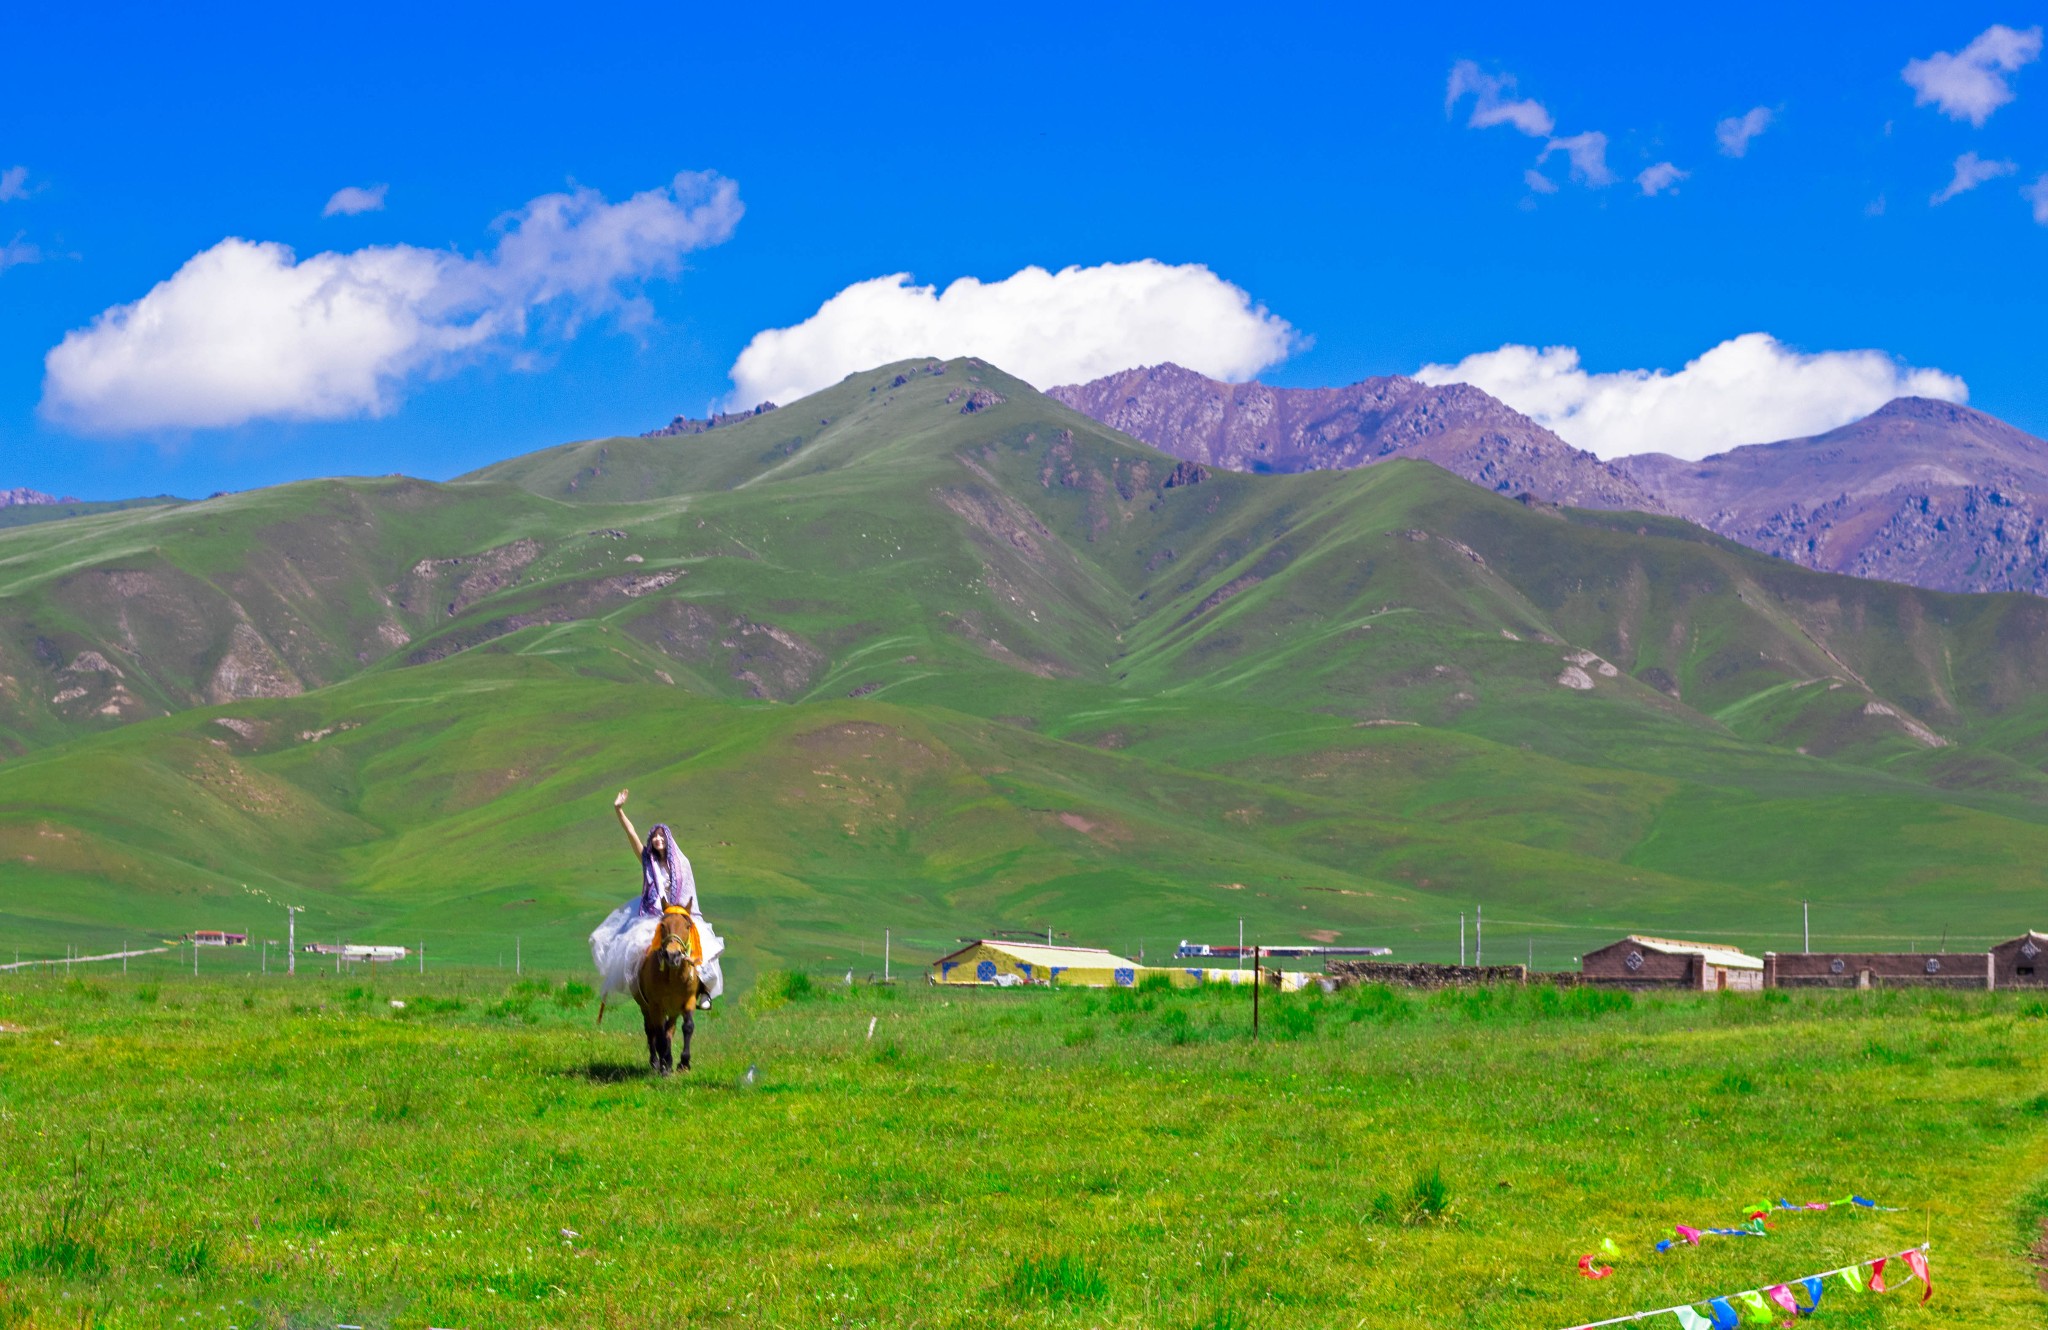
<point>654,893</point>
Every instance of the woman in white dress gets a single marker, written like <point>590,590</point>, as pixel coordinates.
<point>665,879</point>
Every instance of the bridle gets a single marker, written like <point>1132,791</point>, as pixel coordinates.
<point>677,932</point>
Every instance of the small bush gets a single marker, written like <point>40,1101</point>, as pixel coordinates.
<point>572,995</point>
<point>1056,1281</point>
<point>147,993</point>
<point>776,987</point>
<point>431,1006</point>
<point>192,1260</point>
<point>1378,1002</point>
<point>54,1254</point>
<point>1426,1200</point>
<point>1223,1318</point>
<point>1735,1082</point>
<point>1078,1035</point>
<point>1293,1020</point>
<point>1155,983</point>
<point>1174,1025</point>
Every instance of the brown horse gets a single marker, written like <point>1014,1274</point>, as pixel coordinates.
<point>667,988</point>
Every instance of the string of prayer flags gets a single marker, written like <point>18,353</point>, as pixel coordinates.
<point>1758,1226</point>
<point>1763,1306</point>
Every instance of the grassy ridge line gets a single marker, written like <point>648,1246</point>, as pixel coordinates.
<point>306,1152</point>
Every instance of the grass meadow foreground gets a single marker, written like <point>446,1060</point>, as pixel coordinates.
<point>262,1152</point>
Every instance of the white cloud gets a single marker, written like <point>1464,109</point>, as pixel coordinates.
<point>1971,84</point>
<point>1736,131</point>
<point>247,331</point>
<point>1491,104</point>
<point>13,183</point>
<point>352,199</point>
<point>1046,328</point>
<point>1587,153</point>
<point>15,252</point>
<point>1654,180</point>
<point>1539,182</point>
<point>1972,171</point>
<point>1749,389</point>
<point>2037,194</point>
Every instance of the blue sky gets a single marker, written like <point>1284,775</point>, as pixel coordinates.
<point>1303,156</point>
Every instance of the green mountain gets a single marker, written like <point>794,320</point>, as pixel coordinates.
<point>929,651</point>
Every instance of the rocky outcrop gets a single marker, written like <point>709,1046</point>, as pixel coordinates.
<point>1253,427</point>
<point>18,498</point>
<point>685,425</point>
<point>1923,492</point>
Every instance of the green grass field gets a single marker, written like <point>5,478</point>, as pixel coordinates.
<point>249,1151</point>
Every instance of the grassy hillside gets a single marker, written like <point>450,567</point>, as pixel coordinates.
<point>886,661</point>
<point>297,1153</point>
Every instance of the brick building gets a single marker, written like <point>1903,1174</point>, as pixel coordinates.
<point>1662,962</point>
<point>1864,969</point>
<point>2021,963</point>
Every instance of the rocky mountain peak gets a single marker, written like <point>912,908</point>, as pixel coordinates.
<point>1257,427</point>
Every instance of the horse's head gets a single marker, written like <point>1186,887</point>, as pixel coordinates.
<point>672,940</point>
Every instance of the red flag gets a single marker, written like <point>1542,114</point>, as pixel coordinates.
<point>1918,1261</point>
<point>1877,1274</point>
<point>1587,1269</point>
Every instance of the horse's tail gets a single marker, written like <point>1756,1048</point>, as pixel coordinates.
<point>600,1011</point>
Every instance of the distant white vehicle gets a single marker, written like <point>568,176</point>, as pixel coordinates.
<point>356,951</point>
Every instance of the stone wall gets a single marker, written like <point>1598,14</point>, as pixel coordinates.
<point>1419,974</point>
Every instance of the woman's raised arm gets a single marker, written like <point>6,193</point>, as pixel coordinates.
<point>619,807</point>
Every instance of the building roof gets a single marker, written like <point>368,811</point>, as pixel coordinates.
<point>1038,953</point>
<point>1707,951</point>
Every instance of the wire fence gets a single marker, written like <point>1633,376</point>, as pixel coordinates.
<point>1542,945</point>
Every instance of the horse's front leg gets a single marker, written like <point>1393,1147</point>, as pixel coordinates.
<point>689,1029</point>
<point>654,1042</point>
<point>668,1046</point>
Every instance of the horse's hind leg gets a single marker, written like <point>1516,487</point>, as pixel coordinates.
<point>689,1029</point>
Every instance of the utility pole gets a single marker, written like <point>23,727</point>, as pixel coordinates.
<point>291,935</point>
<point>1806,926</point>
<point>1461,937</point>
<point>1479,936</point>
<point>423,955</point>
<point>124,956</point>
<point>885,955</point>
<point>516,970</point>
<point>1256,986</point>
<point>1240,944</point>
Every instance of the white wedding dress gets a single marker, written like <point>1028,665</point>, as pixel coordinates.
<point>627,932</point>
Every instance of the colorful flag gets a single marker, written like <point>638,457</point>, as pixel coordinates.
<point>1917,1261</point>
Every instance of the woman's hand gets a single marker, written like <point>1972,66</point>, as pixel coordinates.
<point>620,802</point>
